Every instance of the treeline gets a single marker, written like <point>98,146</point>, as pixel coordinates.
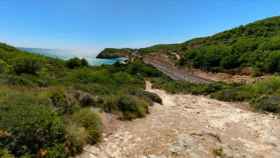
<point>255,45</point>
<point>260,54</point>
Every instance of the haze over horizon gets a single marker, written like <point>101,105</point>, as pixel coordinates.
<point>87,26</point>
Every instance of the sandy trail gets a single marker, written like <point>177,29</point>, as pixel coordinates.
<point>188,126</point>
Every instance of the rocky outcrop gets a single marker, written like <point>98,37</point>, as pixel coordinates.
<point>111,53</point>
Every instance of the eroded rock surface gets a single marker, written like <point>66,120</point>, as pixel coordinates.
<point>188,126</point>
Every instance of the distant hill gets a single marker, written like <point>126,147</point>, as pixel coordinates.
<point>255,45</point>
<point>111,53</point>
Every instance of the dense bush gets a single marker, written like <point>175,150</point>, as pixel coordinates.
<point>28,65</point>
<point>4,153</point>
<point>272,62</point>
<point>110,103</point>
<point>63,102</point>
<point>233,94</point>
<point>139,68</point>
<point>132,107</point>
<point>76,63</point>
<point>4,67</point>
<point>31,128</point>
<point>76,138</point>
<point>86,99</point>
<point>186,87</point>
<point>56,151</point>
<point>91,121</point>
<point>267,104</point>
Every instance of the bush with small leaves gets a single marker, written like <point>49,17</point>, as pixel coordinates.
<point>31,128</point>
<point>267,104</point>
<point>4,153</point>
<point>76,138</point>
<point>4,67</point>
<point>28,65</point>
<point>56,151</point>
<point>233,94</point>
<point>76,63</point>
<point>132,107</point>
<point>91,121</point>
<point>63,103</point>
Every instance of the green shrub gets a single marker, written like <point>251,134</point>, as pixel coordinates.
<point>76,63</point>
<point>267,86</point>
<point>267,104</point>
<point>139,68</point>
<point>272,44</point>
<point>91,122</point>
<point>4,153</point>
<point>185,87</point>
<point>272,62</point>
<point>4,67</point>
<point>230,62</point>
<point>63,103</point>
<point>149,96</point>
<point>85,99</point>
<point>76,138</point>
<point>233,94</point>
<point>26,80</point>
<point>31,128</point>
<point>19,81</point>
<point>28,65</point>
<point>132,107</point>
<point>110,103</point>
<point>87,76</point>
<point>56,151</point>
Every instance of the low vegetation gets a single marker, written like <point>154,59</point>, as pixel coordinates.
<point>263,95</point>
<point>50,108</point>
<point>251,49</point>
<point>255,45</point>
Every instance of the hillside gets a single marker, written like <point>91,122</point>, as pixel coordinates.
<point>110,53</point>
<point>52,108</point>
<point>255,45</point>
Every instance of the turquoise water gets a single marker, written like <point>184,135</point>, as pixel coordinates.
<point>65,55</point>
<point>95,61</point>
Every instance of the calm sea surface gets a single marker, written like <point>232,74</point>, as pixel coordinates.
<point>64,54</point>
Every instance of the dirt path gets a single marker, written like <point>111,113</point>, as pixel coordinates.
<point>165,66</point>
<point>187,126</point>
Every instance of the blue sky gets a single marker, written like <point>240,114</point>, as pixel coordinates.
<point>90,25</point>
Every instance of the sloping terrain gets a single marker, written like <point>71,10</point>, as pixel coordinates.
<point>45,102</point>
<point>163,64</point>
<point>188,126</point>
<point>252,48</point>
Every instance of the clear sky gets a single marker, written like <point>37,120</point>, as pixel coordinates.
<point>89,25</point>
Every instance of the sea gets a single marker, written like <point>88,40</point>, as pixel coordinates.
<point>68,54</point>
